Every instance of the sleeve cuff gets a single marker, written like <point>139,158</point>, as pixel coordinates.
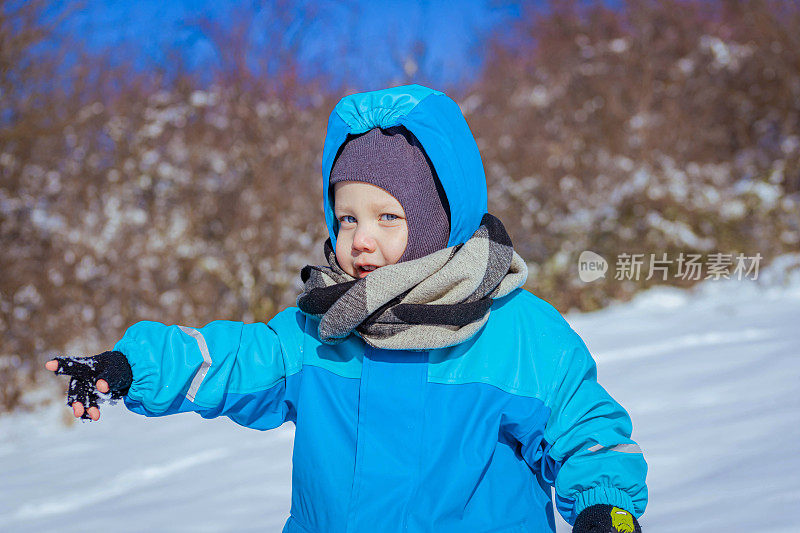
<point>143,372</point>
<point>603,495</point>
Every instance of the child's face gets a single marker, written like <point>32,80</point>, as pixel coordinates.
<point>372,227</point>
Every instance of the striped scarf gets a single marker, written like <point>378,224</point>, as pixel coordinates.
<point>436,301</point>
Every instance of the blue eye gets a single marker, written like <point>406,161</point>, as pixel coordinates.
<point>347,219</point>
<point>389,217</point>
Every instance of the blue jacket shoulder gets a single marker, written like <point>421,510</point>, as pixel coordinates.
<point>519,350</point>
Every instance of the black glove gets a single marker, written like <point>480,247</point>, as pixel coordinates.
<point>606,519</point>
<point>113,367</point>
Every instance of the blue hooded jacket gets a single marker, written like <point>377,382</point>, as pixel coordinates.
<point>468,438</point>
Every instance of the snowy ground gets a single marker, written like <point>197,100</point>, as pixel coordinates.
<point>709,376</point>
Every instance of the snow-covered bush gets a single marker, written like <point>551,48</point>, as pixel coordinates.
<point>660,127</point>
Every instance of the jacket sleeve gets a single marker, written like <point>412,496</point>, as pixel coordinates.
<point>589,452</point>
<point>226,368</point>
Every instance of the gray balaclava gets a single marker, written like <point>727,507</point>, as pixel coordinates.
<point>393,159</point>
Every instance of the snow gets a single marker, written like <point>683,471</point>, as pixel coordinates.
<point>709,376</point>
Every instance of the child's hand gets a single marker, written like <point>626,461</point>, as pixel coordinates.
<point>606,518</point>
<point>104,373</point>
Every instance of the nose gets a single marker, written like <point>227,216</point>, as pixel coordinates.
<point>363,240</point>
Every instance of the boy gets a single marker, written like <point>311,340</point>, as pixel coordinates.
<point>428,390</point>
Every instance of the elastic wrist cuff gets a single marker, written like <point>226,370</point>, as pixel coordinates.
<point>143,371</point>
<point>603,495</point>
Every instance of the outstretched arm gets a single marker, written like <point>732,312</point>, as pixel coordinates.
<point>225,368</point>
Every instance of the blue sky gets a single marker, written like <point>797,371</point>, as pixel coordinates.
<point>367,38</point>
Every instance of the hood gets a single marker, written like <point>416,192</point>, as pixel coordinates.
<point>438,124</point>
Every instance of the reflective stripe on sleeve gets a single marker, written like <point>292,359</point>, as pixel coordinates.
<point>624,448</point>
<point>201,372</point>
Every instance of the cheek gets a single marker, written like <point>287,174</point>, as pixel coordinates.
<point>396,246</point>
<point>343,256</point>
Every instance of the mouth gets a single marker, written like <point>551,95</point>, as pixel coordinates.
<point>363,270</point>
